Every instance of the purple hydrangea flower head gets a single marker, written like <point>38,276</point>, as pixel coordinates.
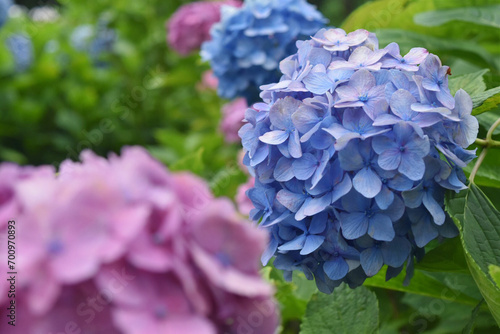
<point>249,42</point>
<point>190,25</point>
<point>154,251</point>
<point>352,152</point>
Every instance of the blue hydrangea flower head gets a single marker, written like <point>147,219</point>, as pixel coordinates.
<point>21,49</point>
<point>95,40</point>
<point>249,42</point>
<point>4,11</point>
<point>352,151</point>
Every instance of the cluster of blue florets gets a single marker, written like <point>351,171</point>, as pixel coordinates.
<point>352,151</point>
<point>4,11</point>
<point>249,42</point>
<point>21,48</point>
<point>95,40</point>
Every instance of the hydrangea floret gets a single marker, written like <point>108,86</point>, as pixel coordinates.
<point>352,152</point>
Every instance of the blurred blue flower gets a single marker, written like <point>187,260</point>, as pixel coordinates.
<point>94,40</point>
<point>249,42</point>
<point>21,49</point>
<point>4,11</point>
<point>352,151</point>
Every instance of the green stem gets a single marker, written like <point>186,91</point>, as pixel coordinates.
<point>486,143</point>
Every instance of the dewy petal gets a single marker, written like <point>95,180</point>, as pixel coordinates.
<point>275,137</point>
<point>371,261</point>
<point>367,182</point>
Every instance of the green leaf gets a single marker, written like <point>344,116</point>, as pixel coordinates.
<point>469,328</point>
<point>495,273</point>
<point>292,296</point>
<point>488,105</point>
<point>486,120</point>
<point>448,257</point>
<point>488,16</point>
<point>472,83</point>
<point>487,175</point>
<point>409,39</point>
<point>345,311</point>
<point>479,224</point>
<point>421,284</point>
<point>479,99</point>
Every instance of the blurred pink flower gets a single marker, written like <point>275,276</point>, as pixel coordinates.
<point>190,25</point>
<point>244,203</point>
<point>233,114</point>
<point>208,81</point>
<point>121,245</point>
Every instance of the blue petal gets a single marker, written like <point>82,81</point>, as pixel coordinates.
<point>312,243</point>
<point>275,137</point>
<point>294,244</point>
<point>371,261</point>
<point>396,252</point>
<point>336,269</point>
<point>294,145</point>
<point>318,83</point>
<point>350,159</point>
<point>354,225</point>
<point>290,200</point>
<point>412,166</point>
<point>367,182</point>
<point>384,198</point>
<point>434,208</point>
<point>283,171</point>
<point>313,206</point>
<point>304,167</point>
<point>318,223</point>
<point>380,228</point>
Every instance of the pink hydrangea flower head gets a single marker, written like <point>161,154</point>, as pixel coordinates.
<point>190,25</point>
<point>233,114</point>
<point>208,81</point>
<point>244,203</point>
<point>121,245</point>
